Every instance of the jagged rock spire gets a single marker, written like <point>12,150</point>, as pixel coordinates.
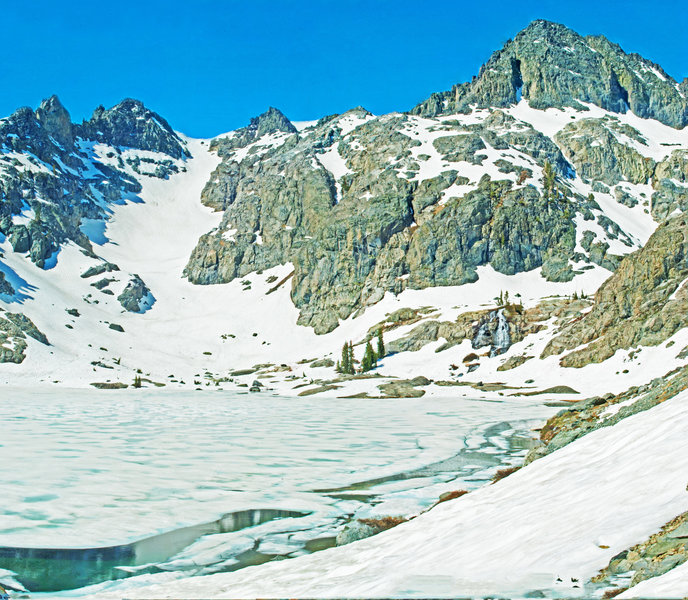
<point>271,121</point>
<point>55,119</point>
<point>131,124</point>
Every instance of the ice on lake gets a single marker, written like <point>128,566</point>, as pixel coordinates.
<point>90,469</point>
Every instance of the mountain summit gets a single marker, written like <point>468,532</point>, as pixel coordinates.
<point>551,65</point>
<point>131,124</point>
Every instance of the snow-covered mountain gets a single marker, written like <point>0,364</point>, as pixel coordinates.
<point>413,223</point>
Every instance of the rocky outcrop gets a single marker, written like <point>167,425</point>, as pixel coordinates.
<point>670,183</point>
<point>5,286</point>
<point>513,362</point>
<point>596,152</point>
<point>503,132</point>
<point>494,329</point>
<point>36,239</point>
<point>643,303</point>
<point>131,125</point>
<point>653,557</point>
<point>605,411</point>
<point>461,147</point>
<point>14,327</point>
<point>270,122</point>
<point>552,66</point>
<point>404,388</point>
<point>56,121</point>
<point>136,297</point>
<point>99,269</point>
<point>362,528</point>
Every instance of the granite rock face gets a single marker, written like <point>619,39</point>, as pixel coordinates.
<point>644,303</point>
<point>592,145</point>
<point>14,328</point>
<point>552,66</point>
<point>670,183</point>
<point>347,203</point>
<point>374,226</point>
<point>56,121</point>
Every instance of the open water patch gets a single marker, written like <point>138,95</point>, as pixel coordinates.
<point>56,569</point>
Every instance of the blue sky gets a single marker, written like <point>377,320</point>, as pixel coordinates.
<point>208,66</point>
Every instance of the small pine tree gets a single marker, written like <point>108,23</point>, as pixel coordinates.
<point>506,297</point>
<point>338,368</point>
<point>499,300</point>
<point>380,345</point>
<point>369,359</point>
<point>344,365</point>
<point>137,381</point>
<point>352,368</point>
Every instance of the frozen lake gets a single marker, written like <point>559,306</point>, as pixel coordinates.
<point>88,469</point>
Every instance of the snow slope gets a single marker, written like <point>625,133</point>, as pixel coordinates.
<point>549,526</point>
<point>673,584</point>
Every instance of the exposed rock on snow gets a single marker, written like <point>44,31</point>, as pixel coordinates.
<point>605,411</point>
<point>136,297</point>
<point>5,286</point>
<point>14,327</point>
<point>130,124</point>
<point>643,303</point>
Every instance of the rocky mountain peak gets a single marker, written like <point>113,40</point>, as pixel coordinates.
<point>541,29</point>
<point>271,121</point>
<point>550,65</point>
<point>131,124</point>
<point>55,119</point>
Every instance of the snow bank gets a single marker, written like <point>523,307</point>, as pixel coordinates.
<point>673,584</point>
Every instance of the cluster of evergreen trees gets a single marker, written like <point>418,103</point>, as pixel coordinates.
<point>549,177</point>
<point>347,365</point>
<point>551,190</point>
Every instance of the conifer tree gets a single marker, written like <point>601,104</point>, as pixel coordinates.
<point>345,365</point>
<point>352,368</point>
<point>380,345</point>
<point>369,359</point>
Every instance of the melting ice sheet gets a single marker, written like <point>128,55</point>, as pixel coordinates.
<point>91,469</point>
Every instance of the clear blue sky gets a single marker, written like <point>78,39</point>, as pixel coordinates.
<point>208,66</point>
